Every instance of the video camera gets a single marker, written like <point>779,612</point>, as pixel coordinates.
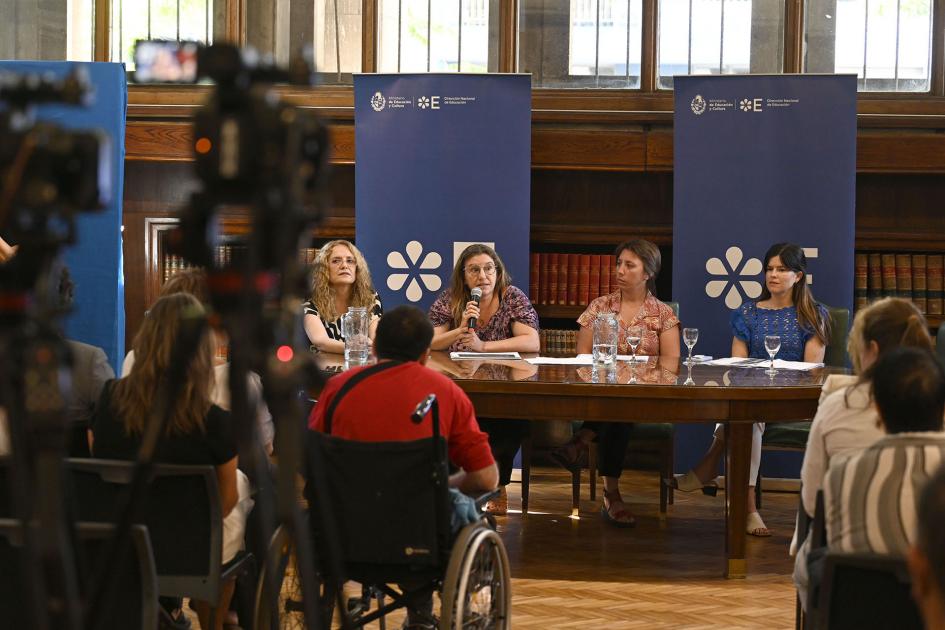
<point>47,173</point>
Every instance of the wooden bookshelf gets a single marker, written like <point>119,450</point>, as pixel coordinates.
<point>559,311</point>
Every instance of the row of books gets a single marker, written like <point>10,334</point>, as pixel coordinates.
<point>558,341</point>
<point>222,257</point>
<point>570,279</point>
<point>916,277</point>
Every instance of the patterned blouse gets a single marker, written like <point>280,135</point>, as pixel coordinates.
<point>751,324</point>
<point>514,306</point>
<point>654,317</point>
<point>334,328</point>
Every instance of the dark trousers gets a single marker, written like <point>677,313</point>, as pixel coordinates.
<point>612,439</point>
<point>505,438</point>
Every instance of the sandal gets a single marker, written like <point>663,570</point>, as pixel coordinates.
<point>756,527</point>
<point>621,517</point>
<point>569,455</point>
<point>498,506</point>
<point>690,483</point>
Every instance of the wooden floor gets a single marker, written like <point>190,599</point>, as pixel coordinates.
<point>582,573</point>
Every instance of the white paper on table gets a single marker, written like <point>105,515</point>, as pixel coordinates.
<point>484,356</point>
<point>579,360</point>
<point>620,357</point>
<point>779,364</point>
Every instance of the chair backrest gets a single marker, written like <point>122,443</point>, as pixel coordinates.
<point>181,510</point>
<point>836,353</point>
<point>134,606</point>
<point>674,306</point>
<point>388,501</point>
<point>864,590</point>
<point>940,342</point>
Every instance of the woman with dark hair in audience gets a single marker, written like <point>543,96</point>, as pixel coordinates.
<point>635,305</point>
<point>199,432</point>
<point>340,280</point>
<point>786,308</point>
<point>505,322</point>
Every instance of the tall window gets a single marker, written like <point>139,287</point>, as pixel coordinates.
<point>581,43</point>
<point>719,37</point>
<point>47,29</point>
<point>886,43</point>
<point>182,20</point>
<point>437,36</point>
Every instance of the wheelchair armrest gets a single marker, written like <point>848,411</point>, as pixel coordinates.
<point>481,500</point>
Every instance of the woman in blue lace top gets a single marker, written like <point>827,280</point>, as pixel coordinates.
<point>785,308</point>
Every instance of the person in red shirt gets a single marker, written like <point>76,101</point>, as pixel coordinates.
<point>378,408</point>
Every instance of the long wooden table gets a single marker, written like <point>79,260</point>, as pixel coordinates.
<point>660,390</point>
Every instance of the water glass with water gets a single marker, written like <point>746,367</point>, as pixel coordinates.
<point>634,337</point>
<point>605,339</point>
<point>356,326</point>
<point>772,345</point>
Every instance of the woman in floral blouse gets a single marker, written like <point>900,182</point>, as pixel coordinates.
<point>635,306</point>
<point>505,322</point>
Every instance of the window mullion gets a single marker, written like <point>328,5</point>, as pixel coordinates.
<point>938,48</point>
<point>649,47</point>
<point>370,26</point>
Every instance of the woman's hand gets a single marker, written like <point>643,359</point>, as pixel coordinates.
<point>472,310</point>
<point>471,341</point>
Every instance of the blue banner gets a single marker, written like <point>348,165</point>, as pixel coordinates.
<point>759,160</point>
<point>442,161</point>
<point>95,261</point>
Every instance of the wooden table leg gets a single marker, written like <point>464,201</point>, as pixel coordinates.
<point>738,441</point>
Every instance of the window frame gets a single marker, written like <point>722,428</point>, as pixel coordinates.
<point>648,103</point>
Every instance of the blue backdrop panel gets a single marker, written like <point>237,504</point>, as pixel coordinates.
<point>758,160</point>
<point>442,160</point>
<point>95,261</point>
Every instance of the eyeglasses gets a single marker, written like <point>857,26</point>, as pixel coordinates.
<point>474,270</point>
<point>336,262</point>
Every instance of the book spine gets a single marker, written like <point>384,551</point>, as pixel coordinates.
<point>553,278</point>
<point>594,278</point>
<point>919,284</point>
<point>544,265</point>
<point>584,279</point>
<point>889,275</point>
<point>874,289</point>
<point>533,271</point>
<point>933,278</point>
<point>904,276</point>
<point>574,275</point>
<point>860,280</point>
<point>563,271</point>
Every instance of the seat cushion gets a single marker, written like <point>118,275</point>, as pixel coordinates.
<point>786,434</point>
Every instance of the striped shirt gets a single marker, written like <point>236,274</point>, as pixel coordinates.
<point>870,496</point>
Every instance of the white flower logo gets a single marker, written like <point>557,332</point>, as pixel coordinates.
<point>423,102</point>
<point>378,101</point>
<point>745,105</point>
<point>733,285</point>
<point>431,281</point>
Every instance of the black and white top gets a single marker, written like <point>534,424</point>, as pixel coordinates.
<point>334,329</point>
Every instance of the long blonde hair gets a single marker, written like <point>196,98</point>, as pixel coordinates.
<point>133,396</point>
<point>891,323</point>
<point>323,295</point>
<point>459,292</point>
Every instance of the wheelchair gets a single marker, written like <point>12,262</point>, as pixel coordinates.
<point>384,509</point>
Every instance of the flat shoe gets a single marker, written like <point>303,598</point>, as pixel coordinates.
<point>756,527</point>
<point>690,483</point>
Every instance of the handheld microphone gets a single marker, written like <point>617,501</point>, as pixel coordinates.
<point>476,294</point>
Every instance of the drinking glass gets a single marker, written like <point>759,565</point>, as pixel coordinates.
<point>772,345</point>
<point>690,337</point>
<point>634,335</point>
<point>604,346</point>
<point>355,325</point>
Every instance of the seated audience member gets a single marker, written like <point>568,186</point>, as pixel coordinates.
<point>786,307</point>
<point>194,282</point>
<point>870,496</point>
<point>635,305</point>
<point>927,556</point>
<point>340,280</point>
<point>199,432</point>
<point>378,408</point>
<point>846,419</point>
<point>505,322</point>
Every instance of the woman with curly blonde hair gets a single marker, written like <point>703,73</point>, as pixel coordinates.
<point>341,279</point>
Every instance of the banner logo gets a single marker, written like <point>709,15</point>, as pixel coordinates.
<point>697,105</point>
<point>423,102</point>
<point>735,284</point>
<point>378,101</point>
<point>430,262</point>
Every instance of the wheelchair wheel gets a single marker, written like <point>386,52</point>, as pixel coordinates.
<point>290,612</point>
<point>477,587</point>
